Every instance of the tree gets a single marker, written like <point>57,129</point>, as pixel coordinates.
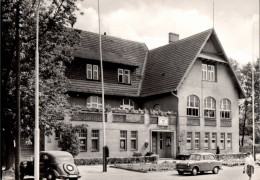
<point>55,40</point>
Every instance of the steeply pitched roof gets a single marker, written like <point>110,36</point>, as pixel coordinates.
<point>115,50</point>
<point>167,65</point>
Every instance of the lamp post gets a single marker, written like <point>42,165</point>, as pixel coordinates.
<point>103,99</point>
<point>36,130</point>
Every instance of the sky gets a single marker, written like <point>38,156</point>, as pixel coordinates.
<point>236,22</point>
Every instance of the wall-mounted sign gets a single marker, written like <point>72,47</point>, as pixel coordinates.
<point>163,121</point>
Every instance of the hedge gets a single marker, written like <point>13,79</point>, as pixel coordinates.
<point>127,160</point>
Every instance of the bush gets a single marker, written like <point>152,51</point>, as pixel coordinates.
<point>131,160</point>
<point>137,154</point>
<point>149,154</point>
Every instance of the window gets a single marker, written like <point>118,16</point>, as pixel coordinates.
<point>222,140</point>
<point>206,140</point>
<point>161,141</point>
<point>197,140</point>
<point>83,140</point>
<point>208,72</point>
<point>214,141</point>
<point>123,138</point>
<point>189,140</point>
<point>57,134</point>
<point>133,140</point>
<point>209,157</point>
<point>127,104</point>
<point>225,109</point>
<point>92,72</point>
<point>124,76</point>
<point>94,102</point>
<point>95,140</point>
<point>229,140</point>
<point>193,105</point>
<point>209,107</point>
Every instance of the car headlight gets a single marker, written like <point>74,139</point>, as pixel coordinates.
<point>188,164</point>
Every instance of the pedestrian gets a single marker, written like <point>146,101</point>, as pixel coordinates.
<point>249,165</point>
<point>218,152</point>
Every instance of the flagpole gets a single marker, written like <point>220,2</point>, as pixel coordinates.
<point>36,130</point>
<point>103,99</point>
<point>253,96</point>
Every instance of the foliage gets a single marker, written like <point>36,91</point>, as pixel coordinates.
<point>68,138</point>
<point>55,38</point>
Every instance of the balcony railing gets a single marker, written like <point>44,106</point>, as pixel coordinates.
<point>193,121</point>
<point>128,118</point>
<point>210,122</point>
<point>225,123</point>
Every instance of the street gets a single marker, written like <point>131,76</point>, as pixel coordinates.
<point>230,173</point>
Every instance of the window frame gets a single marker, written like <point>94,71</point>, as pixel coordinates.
<point>125,75</point>
<point>206,137</point>
<point>95,138</point>
<point>197,140</point>
<point>123,139</point>
<point>134,139</point>
<point>229,138</point>
<point>127,106</point>
<point>225,108</point>
<point>212,107</point>
<point>189,137</point>
<point>222,138</point>
<point>214,138</point>
<point>91,71</point>
<point>82,135</point>
<point>208,72</point>
<point>161,141</point>
<point>98,103</point>
<point>194,108</point>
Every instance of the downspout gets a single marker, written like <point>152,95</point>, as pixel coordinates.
<point>177,122</point>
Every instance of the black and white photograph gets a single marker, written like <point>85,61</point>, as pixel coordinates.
<point>133,90</point>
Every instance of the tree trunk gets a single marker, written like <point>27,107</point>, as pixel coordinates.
<point>244,125</point>
<point>8,152</point>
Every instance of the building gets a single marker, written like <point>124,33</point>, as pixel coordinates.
<point>178,98</point>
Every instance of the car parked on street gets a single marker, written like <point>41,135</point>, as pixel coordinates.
<point>199,162</point>
<point>53,164</point>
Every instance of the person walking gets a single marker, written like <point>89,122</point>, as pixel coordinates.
<point>249,165</point>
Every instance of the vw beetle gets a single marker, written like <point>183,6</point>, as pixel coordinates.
<point>53,164</point>
<point>199,162</point>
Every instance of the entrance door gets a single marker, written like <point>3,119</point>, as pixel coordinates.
<point>154,142</point>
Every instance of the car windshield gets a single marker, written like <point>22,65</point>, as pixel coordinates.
<point>64,159</point>
<point>194,157</point>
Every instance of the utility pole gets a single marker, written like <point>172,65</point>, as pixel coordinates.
<point>18,99</point>
<point>36,130</point>
<point>103,98</point>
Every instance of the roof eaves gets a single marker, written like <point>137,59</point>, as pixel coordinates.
<point>143,74</point>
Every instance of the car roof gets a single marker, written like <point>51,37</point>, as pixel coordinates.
<point>202,153</point>
<point>55,153</point>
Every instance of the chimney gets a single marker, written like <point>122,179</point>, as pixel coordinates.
<point>173,37</point>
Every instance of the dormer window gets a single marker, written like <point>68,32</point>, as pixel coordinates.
<point>124,76</point>
<point>92,72</point>
<point>127,104</point>
<point>208,72</point>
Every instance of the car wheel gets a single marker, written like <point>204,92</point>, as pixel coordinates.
<point>215,170</point>
<point>180,172</point>
<point>50,176</point>
<point>73,179</point>
<point>194,171</point>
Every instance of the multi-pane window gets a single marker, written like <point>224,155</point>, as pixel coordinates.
<point>123,140</point>
<point>95,140</point>
<point>208,72</point>
<point>189,140</point>
<point>133,140</point>
<point>222,140</point>
<point>94,102</point>
<point>161,141</point>
<point>206,140</point>
<point>229,140</point>
<point>193,105</point>
<point>197,140</point>
<point>214,141</point>
<point>127,104</point>
<point>124,76</point>
<point>83,140</point>
<point>92,72</point>
<point>209,107</point>
<point>225,109</point>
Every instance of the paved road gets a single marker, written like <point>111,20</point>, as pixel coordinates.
<point>229,173</point>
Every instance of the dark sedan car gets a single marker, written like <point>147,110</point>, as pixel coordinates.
<point>199,162</point>
<point>53,164</point>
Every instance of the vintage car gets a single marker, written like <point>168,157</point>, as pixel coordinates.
<point>199,162</point>
<point>53,164</point>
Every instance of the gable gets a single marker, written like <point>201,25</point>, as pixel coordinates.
<point>210,47</point>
